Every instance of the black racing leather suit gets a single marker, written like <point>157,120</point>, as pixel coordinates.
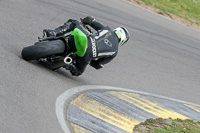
<point>102,48</point>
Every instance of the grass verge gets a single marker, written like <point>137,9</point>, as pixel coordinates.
<point>160,125</point>
<point>184,11</point>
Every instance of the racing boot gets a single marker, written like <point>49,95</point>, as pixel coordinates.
<point>56,32</point>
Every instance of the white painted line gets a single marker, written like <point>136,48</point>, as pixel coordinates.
<point>63,99</point>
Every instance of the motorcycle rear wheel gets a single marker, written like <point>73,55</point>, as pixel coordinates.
<point>43,49</point>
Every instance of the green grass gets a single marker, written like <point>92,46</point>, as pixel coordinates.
<point>186,9</point>
<point>168,126</point>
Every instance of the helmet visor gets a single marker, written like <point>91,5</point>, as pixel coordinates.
<point>122,35</point>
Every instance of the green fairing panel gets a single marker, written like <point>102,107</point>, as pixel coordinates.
<point>80,42</point>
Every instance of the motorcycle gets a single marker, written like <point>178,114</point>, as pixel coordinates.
<point>53,51</point>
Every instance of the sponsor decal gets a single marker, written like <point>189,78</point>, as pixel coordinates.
<point>94,48</point>
<point>107,42</point>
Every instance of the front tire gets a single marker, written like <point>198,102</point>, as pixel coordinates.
<point>43,49</point>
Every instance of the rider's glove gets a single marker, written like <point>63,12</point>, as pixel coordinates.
<point>72,21</point>
<point>88,20</point>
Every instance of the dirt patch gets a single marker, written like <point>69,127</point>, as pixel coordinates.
<point>166,14</point>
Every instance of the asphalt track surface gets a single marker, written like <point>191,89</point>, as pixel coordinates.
<point>162,57</point>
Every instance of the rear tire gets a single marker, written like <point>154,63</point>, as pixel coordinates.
<point>43,49</point>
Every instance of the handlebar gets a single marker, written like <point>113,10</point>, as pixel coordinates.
<point>44,38</point>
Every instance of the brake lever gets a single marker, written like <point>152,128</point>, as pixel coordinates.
<point>88,29</point>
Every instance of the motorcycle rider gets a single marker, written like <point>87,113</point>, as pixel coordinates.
<point>101,47</point>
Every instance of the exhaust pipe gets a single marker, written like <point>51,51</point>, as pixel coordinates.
<point>67,60</point>
<point>61,62</point>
